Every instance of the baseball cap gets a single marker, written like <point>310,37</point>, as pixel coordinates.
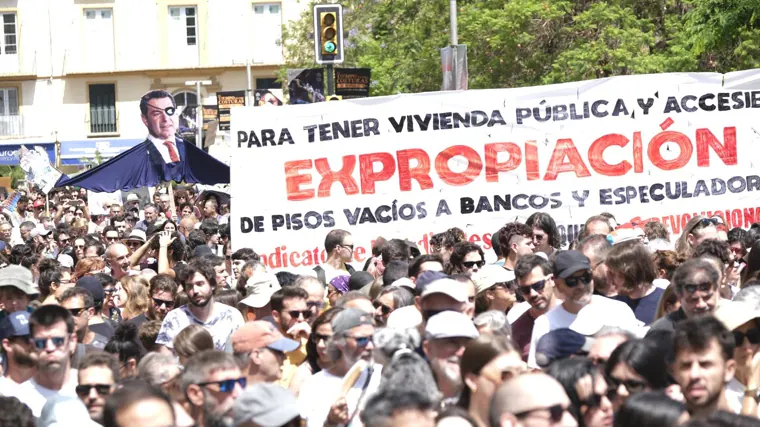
<point>92,285</point>
<point>132,197</point>
<point>265,404</point>
<point>735,313</point>
<point>260,288</point>
<point>66,261</point>
<point>37,203</point>
<point>450,324</point>
<point>560,344</point>
<point>566,263</point>
<point>260,334</point>
<point>359,279</point>
<point>404,282</point>
<point>348,319</point>
<point>486,277</point>
<point>429,277</point>
<point>18,277</point>
<point>404,318</point>
<point>448,287</point>
<point>14,325</point>
<point>138,235</point>
<point>39,231</point>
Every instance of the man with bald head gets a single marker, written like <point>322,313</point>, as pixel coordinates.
<point>186,225</point>
<point>117,256</point>
<point>531,400</point>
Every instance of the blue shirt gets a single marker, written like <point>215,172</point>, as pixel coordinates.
<point>644,308</point>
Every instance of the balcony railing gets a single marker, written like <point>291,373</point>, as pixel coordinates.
<point>11,125</point>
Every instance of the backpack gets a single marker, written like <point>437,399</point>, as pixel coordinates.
<point>321,273</point>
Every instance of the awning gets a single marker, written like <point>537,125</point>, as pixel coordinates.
<point>77,153</point>
<point>9,152</point>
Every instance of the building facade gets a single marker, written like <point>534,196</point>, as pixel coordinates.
<point>73,71</point>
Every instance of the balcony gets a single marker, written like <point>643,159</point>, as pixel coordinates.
<point>11,126</point>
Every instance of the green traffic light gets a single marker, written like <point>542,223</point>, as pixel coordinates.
<point>330,47</point>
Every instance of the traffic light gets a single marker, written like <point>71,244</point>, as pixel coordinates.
<point>328,33</point>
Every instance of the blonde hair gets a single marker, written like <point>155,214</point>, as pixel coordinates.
<point>87,267</point>
<point>683,246</point>
<point>668,298</point>
<point>138,301</point>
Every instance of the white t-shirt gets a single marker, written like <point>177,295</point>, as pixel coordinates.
<point>35,395</point>
<point>8,387</point>
<point>735,395</point>
<point>610,313</point>
<point>516,311</point>
<point>223,321</point>
<point>320,391</point>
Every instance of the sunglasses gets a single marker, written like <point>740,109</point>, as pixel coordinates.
<point>705,222</point>
<point>315,305</point>
<point>573,281</point>
<point>538,237</point>
<point>363,341</point>
<point>160,302</point>
<point>632,386</point>
<point>227,386</point>
<point>691,288</point>
<point>41,343</point>
<point>555,413</point>
<point>78,246</point>
<point>538,287</point>
<point>351,247</point>
<point>753,335</point>
<point>109,291</point>
<point>83,390</point>
<point>595,400</point>
<point>77,311</point>
<point>297,313</point>
<point>112,239</point>
<point>316,338</point>
<point>385,309</point>
<point>470,264</point>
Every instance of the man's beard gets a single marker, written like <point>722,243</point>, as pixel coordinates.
<point>203,303</point>
<point>210,417</point>
<point>444,371</point>
<point>51,365</point>
<point>24,360</point>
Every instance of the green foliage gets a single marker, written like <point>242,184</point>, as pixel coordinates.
<point>514,43</point>
<point>15,172</point>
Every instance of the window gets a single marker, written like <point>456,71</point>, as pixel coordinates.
<point>103,108</point>
<point>267,33</point>
<point>183,36</point>
<point>9,42</point>
<point>268,83</point>
<point>186,99</point>
<point>98,36</point>
<point>11,123</point>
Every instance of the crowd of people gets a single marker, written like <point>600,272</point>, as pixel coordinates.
<point>145,317</point>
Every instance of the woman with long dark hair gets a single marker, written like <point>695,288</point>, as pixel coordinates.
<point>316,349</point>
<point>636,366</point>
<point>584,383</point>
<point>651,409</point>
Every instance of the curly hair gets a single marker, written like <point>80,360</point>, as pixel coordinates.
<point>138,300</point>
<point>509,231</point>
<point>667,262</point>
<point>656,230</point>
<point>460,251</point>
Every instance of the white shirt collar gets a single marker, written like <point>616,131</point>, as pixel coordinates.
<point>160,142</point>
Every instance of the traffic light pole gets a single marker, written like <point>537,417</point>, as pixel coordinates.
<point>330,77</point>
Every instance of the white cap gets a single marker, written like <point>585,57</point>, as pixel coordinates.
<point>132,197</point>
<point>486,277</point>
<point>260,288</point>
<point>404,282</point>
<point>404,318</point>
<point>450,324</point>
<point>449,287</point>
<point>66,261</point>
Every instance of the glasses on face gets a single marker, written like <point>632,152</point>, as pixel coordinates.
<point>385,309</point>
<point>227,386</point>
<point>78,246</point>
<point>595,400</point>
<point>316,338</point>
<point>632,386</point>
<point>362,341</point>
<point>41,343</point>
<point>77,311</point>
<point>315,305</point>
<point>470,264</point>
<point>133,245</point>
<point>63,241</point>
<point>692,288</point>
<point>705,222</point>
<point>160,302</point>
<point>555,413</point>
<point>537,286</point>
<point>753,335</point>
<point>108,291</point>
<point>83,390</point>
<point>295,314</point>
<point>538,237</point>
<point>573,281</point>
<point>349,247</point>
<point>112,238</point>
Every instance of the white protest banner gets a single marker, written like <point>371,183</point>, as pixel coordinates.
<point>36,164</point>
<point>644,148</point>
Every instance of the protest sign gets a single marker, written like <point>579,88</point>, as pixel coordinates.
<point>36,164</point>
<point>225,101</point>
<point>306,86</point>
<point>352,82</point>
<point>644,148</point>
<point>263,97</point>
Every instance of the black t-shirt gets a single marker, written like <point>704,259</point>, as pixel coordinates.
<point>138,320</point>
<point>644,308</point>
<point>105,329</point>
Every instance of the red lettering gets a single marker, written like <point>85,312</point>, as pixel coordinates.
<point>420,173</point>
<point>638,153</point>
<point>367,170</point>
<point>726,151</point>
<point>474,165</point>
<point>596,155</point>
<point>343,176</point>
<point>557,164</point>
<point>493,167</point>
<point>531,160</point>
<point>684,146</point>
<point>294,180</point>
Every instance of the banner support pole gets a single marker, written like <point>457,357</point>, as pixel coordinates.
<point>330,88</point>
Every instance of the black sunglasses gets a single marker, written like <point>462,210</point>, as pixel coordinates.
<point>691,288</point>
<point>538,287</point>
<point>705,222</point>
<point>385,309</point>
<point>160,302</point>
<point>753,335</point>
<point>470,264</point>
<point>77,311</point>
<point>573,281</point>
<point>227,386</point>
<point>315,305</point>
<point>349,247</point>
<point>296,313</point>
<point>83,390</point>
<point>595,400</point>
<point>632,386</point>
<point>555,413</point>
<point>316,338</point>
